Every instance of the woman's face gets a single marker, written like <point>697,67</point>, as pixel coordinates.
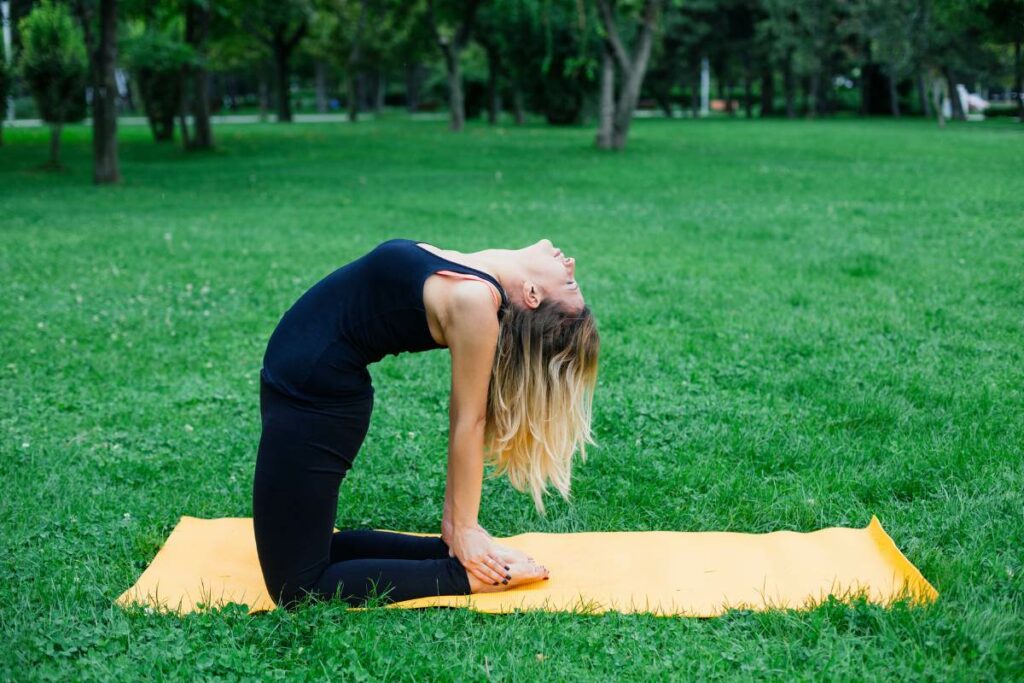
<point>555,274</point>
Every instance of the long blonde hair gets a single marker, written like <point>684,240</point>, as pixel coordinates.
<point>541,396</point>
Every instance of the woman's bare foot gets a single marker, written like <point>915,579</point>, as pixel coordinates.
<point>521,573</point>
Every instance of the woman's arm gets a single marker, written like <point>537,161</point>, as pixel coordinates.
<point>471,331</point>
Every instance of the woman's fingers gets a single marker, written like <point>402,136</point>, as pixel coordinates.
<point>499,566</point>
<point>495,569</point>
<point>481,575</point>
<point>486,573</point>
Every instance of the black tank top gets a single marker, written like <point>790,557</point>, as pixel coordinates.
<point>363,311</point>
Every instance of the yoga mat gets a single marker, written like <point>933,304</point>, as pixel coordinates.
<point>212,562</point>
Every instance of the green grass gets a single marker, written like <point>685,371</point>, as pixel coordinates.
<point>803,324</point>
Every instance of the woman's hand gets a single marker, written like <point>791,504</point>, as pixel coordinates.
<point>509,555</point>
<point>477,553</point>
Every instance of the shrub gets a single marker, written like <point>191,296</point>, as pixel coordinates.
<point>157,59</point>
<point>54,65</point>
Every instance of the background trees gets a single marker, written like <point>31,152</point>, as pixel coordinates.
<point>570,61</point>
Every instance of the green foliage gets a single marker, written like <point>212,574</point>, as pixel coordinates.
<point>158,52</point>
<point>802,324</point>
<point>157,58</point>
<point>53,62</point>
<point>548,50</point>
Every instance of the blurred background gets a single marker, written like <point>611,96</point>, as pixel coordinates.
<point>182,66</point>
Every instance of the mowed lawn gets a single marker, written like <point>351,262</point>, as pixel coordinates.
<point>803,324</point>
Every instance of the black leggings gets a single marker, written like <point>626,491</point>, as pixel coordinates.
<point>305,451</point>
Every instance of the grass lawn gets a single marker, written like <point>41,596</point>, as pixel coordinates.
<point>803,324</point>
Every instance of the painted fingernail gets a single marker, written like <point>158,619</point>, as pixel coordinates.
<point>546,578</point>
<point>505,581</point>
<point>495,583</point>
<point>506,567</point>
<point>508,576</point>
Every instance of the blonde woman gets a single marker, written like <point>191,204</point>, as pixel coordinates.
<point>524,357</point>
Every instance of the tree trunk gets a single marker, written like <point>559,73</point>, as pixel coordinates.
<point>186,136</point>
<point>493,105</point>
<point>352,96</point>
<point>665,102</point>
<point>814,94</point>
<point>606,105</point>
<point>518,106</point>
<point>412,87</point>
<point>748,93</point>
<point>55,130</point>
<point>633,67</point>
<point>197,32</point>
<point>956,106</point>
<point>865,80</point>
<point>789,87</point>
<point>320,85</point>
<point>938,86</point>
<point>366,92</point>
<point>1018,78</point>
<point>922,96</point>
<point>634,80</point>
<point>695,93</point>
<point>379,91</point>
<point>284,96</point>
<point>104,98</point>
<point>767,92</point>
<point>894,96</point>
<point>456,102</point>
<point>450,50</point>
<point>264,94</point>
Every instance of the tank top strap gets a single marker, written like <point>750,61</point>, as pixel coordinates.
<point>495,294</point>
<point>456,269</point>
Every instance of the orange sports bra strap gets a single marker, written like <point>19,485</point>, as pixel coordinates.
<point>495,294</point>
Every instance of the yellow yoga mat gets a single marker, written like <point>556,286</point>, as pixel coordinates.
<point>212,562</point>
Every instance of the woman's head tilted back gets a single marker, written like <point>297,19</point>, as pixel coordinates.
<point>542,383</point>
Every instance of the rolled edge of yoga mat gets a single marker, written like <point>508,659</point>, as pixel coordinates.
<point>918,587</point>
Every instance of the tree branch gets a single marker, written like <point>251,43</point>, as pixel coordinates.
<point>612,34</point>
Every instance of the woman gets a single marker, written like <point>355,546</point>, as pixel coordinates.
<point>524,351</point>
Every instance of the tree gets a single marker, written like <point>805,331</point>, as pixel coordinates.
<point>101,42</point>
<point>781,28</point>
<point>1005,20</point>
<point>884,31</point>
<point>53,63</point>
<point>158,60</point>
<point>339,28</point>
<point>616,112</point>
<point>280,25</point>
<point>197,36</point>
<point>452,25</point>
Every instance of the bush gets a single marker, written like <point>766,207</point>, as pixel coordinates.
<point>54,65</point>
<point>157,59</point>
